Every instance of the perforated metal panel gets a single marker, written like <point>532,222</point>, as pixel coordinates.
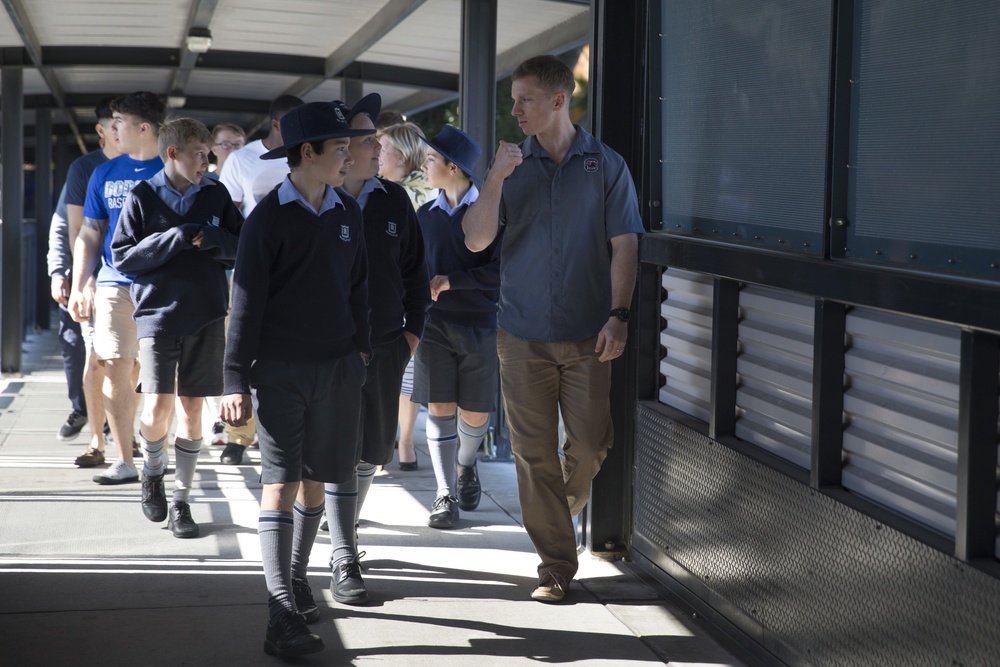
<point>792,566</point>
<point>774,396</point>
<point>686,365</point>
<point>745,91</point>
<point>901,407</point>
<point>926,151</point>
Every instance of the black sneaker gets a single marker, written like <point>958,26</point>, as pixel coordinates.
<point>232,455</point>
<point>154,499</point>
<point>181,523</point>
<point>74,424</point>
<point>304,601</point>
<point>347,586</point>
<point>288,636</point>
<point>444,512</point>
<point>469,490</point>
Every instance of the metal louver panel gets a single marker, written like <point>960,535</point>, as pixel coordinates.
<point>686,336</point>
<point>774,396</point>
<point>901,406</point>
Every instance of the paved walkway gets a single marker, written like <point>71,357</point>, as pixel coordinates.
<point>85,579</point>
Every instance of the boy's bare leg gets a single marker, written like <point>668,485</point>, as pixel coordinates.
<point>408,411</point>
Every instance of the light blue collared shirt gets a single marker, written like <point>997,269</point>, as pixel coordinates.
<point>369,187</point>
<point>442,200</point>
<point>288,193</point>
<point>177,202</point>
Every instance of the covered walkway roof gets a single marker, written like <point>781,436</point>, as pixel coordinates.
<point>75,51</point>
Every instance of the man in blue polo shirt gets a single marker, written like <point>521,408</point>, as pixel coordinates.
<point>569,256</point>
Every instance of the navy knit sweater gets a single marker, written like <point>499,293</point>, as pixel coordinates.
<point>398,288</point>
<point>300,289</point>
<point>179,288</point>
<point>474,277</point>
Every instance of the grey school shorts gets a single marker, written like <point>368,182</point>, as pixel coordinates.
<point>308,418</point>
<point>457,364</point>
<point>191,364</point>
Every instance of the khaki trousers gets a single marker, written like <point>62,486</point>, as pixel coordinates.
<point>538,381</point>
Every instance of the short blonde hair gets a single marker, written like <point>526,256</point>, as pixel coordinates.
<point>405,137</point>
<point>180,132</point>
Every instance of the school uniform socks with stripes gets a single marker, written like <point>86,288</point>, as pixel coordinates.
<point>154,458</point>
<point>307,520</point>
<point>442,442</point>
<point>185,461</point>
<point>276,530</point>
<point>469,440</point>
<point>341,510</point>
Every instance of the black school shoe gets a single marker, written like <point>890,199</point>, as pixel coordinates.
<point>181,524</point>
<point>232,455</point>
<point>444,512</point>
<point>287,636</point>
<point>347,586</point>
<point>304,601</point>
<point>469,490</point>
<point>154,499</point>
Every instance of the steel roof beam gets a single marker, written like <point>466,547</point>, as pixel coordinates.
<point>387,18</point>
<point>30,40</point>
<point>201,15</point>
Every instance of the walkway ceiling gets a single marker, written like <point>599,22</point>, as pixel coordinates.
<point>76,51</point>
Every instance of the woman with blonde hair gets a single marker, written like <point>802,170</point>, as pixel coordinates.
<point>402,154</point>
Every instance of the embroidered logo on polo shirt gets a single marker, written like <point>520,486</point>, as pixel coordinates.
<point>590,164</point>
<point>345,232</point>
<point>391,229</point>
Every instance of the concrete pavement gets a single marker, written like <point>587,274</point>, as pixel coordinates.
<point>85,579</point>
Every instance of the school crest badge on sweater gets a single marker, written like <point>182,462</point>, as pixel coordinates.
<point>345,232</point>
<point>390,229</point>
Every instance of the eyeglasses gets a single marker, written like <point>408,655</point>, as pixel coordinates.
<point>228,145</point>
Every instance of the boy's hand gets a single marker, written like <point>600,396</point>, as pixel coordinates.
<point>235,409</point>
<point>439,284</point>
<point>198,238</point>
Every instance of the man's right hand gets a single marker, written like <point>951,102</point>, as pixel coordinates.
<point>81,303</point>
<point>60,290</point>
<point>507,159</point>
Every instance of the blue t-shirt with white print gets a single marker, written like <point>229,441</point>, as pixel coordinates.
<point>106,192</point>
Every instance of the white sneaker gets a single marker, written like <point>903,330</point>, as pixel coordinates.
<point>119,473</point>
<point>219,438</point>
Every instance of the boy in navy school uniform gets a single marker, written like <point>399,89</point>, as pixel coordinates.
<point>297,347</point>
<point>399,295</point>
<point>176,236</point>
<point>456,364</point>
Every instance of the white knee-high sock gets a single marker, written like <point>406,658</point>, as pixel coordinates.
<point>469,439</point>
<point>442,441</point>
<point>185,461</point>
<point>366,475</point>
<point>153,457</point>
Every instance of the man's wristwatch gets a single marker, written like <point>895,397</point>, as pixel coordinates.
<point>622,314</point>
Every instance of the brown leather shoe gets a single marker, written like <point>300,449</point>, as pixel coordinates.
<point>90,458</point>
